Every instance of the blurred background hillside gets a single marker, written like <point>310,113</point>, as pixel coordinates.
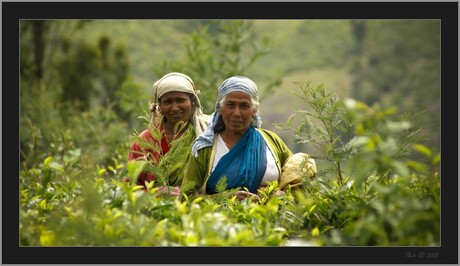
<point>89,81</point>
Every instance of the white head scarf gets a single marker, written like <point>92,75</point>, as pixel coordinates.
<point>176,81</point>
<point>232,84</point>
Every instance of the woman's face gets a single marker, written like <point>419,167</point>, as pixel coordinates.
<point>176,106</point>
<point>237,112</point>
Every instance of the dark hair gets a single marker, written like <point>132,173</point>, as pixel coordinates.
<point>220,125</point>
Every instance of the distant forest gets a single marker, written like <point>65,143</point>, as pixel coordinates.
<point>380,62</point>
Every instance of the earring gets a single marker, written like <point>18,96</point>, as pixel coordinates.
<point>152,107</point>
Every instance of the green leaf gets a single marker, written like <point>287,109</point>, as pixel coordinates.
<point>135,168</point>
<point>47,161</point>
<point>436,159</point>
<point>42,204</point>
<point>422,149</point>
<point>56,166</point>
<point>417,166</point>
<point>315,231</point>
<point>47,238</point>
<point>400,168</point>
<point>102,171</point>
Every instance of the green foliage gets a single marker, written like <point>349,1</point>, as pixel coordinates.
<point>65,202</point>
<point>398,63</point>
<point>132,100</point>
<point>73,97</point>
<point>380,140</point>
<point>92,73</point>
<point>404,71</point>
<point>211,56</point>
<point>378,182</point>
<point>367,202</point>
<point>328,127</point>
<point>151,165</point>
<point>101,210</point>
<point>77,72</point>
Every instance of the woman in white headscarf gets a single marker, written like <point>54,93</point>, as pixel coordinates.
<point>176,121</point>
<point>234,146</point>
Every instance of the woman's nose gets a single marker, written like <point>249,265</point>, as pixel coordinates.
<point>237,112</point>
<point>175,106</point>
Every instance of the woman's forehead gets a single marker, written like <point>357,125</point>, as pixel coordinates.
<point>238,96</point>
<point>174,94</point>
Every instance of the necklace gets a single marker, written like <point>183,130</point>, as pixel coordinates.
<point>169,140</point>
<point>174,133</point>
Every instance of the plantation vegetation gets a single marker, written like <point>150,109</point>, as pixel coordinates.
<point>361,97</point>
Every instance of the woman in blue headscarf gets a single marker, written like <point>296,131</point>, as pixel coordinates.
<point>234,146</point>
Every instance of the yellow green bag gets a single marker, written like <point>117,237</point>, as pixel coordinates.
<point>297,166</point>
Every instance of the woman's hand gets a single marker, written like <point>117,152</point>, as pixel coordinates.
<point>243,194</point>
<point>280,193</point>
<point>173,191</point>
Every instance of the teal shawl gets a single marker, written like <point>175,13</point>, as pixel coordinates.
<point>243,166</point>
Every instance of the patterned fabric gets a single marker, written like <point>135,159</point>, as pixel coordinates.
<point>243,166</point>
<point>237,83</point>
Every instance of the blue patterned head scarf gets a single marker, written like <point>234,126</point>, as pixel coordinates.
<point>232,84</point>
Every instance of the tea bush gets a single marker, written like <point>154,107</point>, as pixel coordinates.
<point>376,187</point>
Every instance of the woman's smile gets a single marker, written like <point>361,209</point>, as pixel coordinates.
<point>177,115</point>
<point>236,123</point>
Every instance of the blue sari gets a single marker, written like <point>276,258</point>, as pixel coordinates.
<point>243,166</point>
